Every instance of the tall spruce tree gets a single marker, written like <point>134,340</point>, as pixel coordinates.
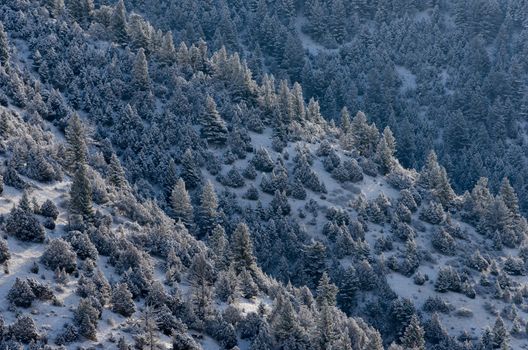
<point>207,214</point>
<point>140,72</point>
<point>116,174</point>
<point>181,203</point>
<point>413,337</point>
<point>213,129</point>
<point>118,22</point>
<point>242,249</point>
<point>4,47</point>
<point>190,172</point>
<point>76,150</point>
<point>81,194</point>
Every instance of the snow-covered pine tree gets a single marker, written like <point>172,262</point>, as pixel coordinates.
<point>181,203</point>
<point>213,129</point>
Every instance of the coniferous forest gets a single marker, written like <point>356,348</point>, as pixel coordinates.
<point>263,174</point>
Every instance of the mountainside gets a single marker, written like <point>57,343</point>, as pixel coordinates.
<point>444,75</point>
<point>156,195</point>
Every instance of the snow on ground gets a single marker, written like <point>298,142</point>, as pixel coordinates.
<point>407,77</point>
<point>308,43</point>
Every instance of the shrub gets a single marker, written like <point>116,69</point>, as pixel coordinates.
<point>59,254</point>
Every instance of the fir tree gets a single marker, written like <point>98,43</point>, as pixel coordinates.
<point>348,289</point>
<point>242,249</point>
<point>219,245</point>
<point>500,334</point>
<point>140,72</point>
<point>85,317</point>
<point>213,126</point>
<point>207,214</point>
<point>118,22</point>
<point>413,338</point>
<point>181,203</point>
<point>116,174</point>
<point>4,47</point>
<point>21,294</point>
<point>509,197</point>
<point>190,173</point>
<point>122,302</point>
<point>326,292</point>
<point>385,151</point>
<point>81,194</point>
<point>75,134</point>
<point>314,262</point>
<point>201,277</point>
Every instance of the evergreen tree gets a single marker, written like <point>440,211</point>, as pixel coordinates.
<point>21,294</point>
<point>348,289</point>
<point>81,194</point>
<point>140,72</point>
<point>326,292</point>
<point>500,334</point>
<point>4,47</point>
<point>242,249</point>
<point>5,255</point>
<point>213,126</point>
<point>76,151</point>
<point>364,136</point>
<point>207,214</point>
<point>122,302</point>
<point>413,338</point>
<point>85,317</point>
<point>118,22</point>
<point>219,245</point>
<point>116,174</point>
<point>201,277</point>
<point>314,262</point>
<point>190,173</point>
<point>385,151</point>
<point>181,203</point>
<point>509,197</point>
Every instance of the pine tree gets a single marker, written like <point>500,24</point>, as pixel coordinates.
<point>77,150</point>
<point>286,323</point>
<point>85,317</point>
<point>81,194</point>
<point>140,72</point>
<point>500,334</point>
<point>213,126</point>
<point>122,302</point>
<point>149,327</point>
<point>263,340</point>
<point>326,327</point>
<point>314,263</point>
<point>413,338</point>
<point>509,197</point>
<point>207,214</point>
<point>242,249</point>
<point>348,289</point>
<point>219,245</point>
<point>385,151</point>
<point>116,174</point>
<point>4,47</point>
<point>190,173</point>
<point>248,288</point>
<point>118,22</point>
<point>326,292</point>
<point>201,278</point>
<point>364,136</point>
<point>181,203</point>
<point>21,294</point>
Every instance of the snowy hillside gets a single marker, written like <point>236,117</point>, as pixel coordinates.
<point>155,195</point>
